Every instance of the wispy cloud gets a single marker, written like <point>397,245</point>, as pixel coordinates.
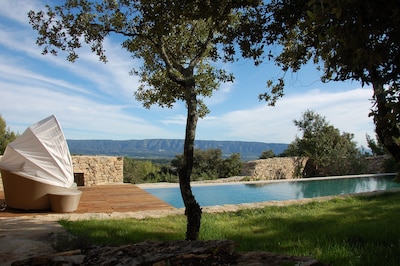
<point>18,11</point>
<point>112,78</point>
<point>177,120</point>
<point>347,111</point>
<point>89,97</point>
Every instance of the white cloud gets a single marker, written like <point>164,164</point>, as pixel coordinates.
<point>17,74</point>
<point>177,120</point>
<point>18,10</point>
<point>110,78</point>
<point>347,111</point>
<point>79,116</point>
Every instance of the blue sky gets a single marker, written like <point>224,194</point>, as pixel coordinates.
<point>93,100</point>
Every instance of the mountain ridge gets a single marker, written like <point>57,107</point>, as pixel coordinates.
<point>168,148</point>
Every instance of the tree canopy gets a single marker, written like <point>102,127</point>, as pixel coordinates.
<point>210,164</point>
<point>180,44</point>
<point>347,40</point>
<point>329,151</point>
<point>267,154</point>
<point>6,135</point>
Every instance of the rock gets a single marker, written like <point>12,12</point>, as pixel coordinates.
<point>212,252</point>
<point>162,253</point>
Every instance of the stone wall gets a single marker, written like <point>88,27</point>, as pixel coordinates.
<point>375,164</point>
<point>95,170</point>
<point>274,168</point>
<point>287,167</point>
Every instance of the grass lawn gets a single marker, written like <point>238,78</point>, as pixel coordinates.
<point>357,230</point>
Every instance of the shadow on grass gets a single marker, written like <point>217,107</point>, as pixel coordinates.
<point>354,230</point>
<point>125,231</point>
<point>349,231</point>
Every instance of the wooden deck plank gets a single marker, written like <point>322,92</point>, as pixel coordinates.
<point>105,199</point>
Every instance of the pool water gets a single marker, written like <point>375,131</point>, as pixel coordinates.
<point>220,194</point>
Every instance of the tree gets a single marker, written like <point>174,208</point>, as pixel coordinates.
<point>139,171</point>
<point>348,40</point>
<point>231,166</point>
<point>375,146</point>
<point>329,152</point>
<point>267,154</point>
<point>6,135</point>
<point>209,164</point>
<point>176,41</point>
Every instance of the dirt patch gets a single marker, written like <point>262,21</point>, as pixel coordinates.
<point>23,237</point>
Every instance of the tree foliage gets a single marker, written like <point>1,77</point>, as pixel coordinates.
<point>210,164</point>
<point>6,135</point>
<point>231,166</point>
<point>138,171</point>
<point>176,41</point>
<point>267,154</point>
<point>329,151</point>
<point>347,40</point>
<point>375,146</point>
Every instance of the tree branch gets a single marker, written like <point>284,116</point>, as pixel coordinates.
<point>202,51</point>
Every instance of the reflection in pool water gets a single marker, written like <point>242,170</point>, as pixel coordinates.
<point>211,195</point>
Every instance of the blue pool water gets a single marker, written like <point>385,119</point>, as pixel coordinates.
<point>220,194</point>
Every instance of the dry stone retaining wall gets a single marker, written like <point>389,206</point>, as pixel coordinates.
<point>274,168</point>
<point>375,164</point>
<point>288,167</point>
<point>97,170</point>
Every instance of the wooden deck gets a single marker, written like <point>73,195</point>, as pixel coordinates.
<point>105,199</point>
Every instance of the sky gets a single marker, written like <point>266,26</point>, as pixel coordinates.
<point>93,100</point>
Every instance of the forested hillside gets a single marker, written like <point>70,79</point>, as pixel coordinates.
<point>168,148</point>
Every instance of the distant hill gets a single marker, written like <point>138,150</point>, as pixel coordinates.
<point>168,148</point>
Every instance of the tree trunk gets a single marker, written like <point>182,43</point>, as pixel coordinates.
<point>386,128</point>
<point>192,208</point>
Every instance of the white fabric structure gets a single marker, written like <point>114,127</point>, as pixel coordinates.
<point>41,154</point>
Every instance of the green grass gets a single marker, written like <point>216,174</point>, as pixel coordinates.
<point>342,231</point>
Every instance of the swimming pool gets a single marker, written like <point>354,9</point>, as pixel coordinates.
<point>250,192</point>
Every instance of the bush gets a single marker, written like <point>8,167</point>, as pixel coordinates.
<point>209,164</point>
<point>143,171</point>
<point>6,135</point>
<point>330,152</point>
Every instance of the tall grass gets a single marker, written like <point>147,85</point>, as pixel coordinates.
<point>356,230</point>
